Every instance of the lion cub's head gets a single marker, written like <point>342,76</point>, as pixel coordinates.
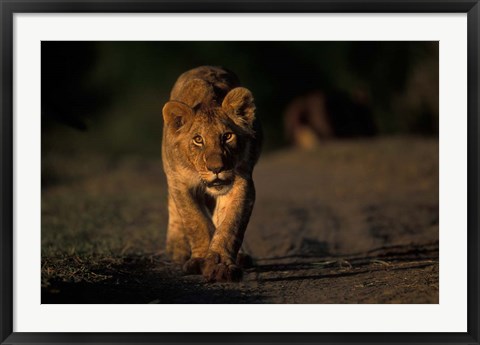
<point>214,139</point>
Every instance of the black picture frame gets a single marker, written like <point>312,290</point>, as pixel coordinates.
<point>9,7</point>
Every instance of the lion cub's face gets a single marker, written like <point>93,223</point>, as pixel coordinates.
<point>214,146</point>
<point>213,139</point>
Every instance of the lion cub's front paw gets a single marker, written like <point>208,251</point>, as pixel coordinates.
<point>217,270</point>
<point>194,266</point>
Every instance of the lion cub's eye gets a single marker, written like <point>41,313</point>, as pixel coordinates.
<point>198,140</point>
<point>227,137</point>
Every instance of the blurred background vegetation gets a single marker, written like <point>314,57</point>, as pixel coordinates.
<point>107,97</point>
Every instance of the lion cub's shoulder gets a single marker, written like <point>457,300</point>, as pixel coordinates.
<point>206,84</point>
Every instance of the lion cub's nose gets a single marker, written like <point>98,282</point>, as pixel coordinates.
<point>215,168</point>
<point>214,163</point>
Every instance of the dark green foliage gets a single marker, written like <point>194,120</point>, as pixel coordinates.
<point>115,90</point>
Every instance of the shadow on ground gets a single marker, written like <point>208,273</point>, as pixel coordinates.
<point>384,275</point>
<point>137,280</point>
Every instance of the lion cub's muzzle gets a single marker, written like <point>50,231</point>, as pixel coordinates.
<point>220,182</point>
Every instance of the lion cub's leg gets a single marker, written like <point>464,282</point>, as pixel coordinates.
<point>243,260</point>
<point>231,217</point>
<point>177,246</point>
<point>197,228</point>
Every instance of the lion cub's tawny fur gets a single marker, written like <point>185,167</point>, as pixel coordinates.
<point>211,142</point>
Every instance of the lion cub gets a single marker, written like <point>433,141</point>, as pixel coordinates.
<point>211,142</point>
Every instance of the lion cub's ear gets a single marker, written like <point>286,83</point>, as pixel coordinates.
<point>238,104</point>
<point>176,114</point>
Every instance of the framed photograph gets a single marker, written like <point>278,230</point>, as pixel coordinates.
<point>241,172</point>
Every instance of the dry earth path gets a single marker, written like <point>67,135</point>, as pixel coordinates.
<point>350,222</point>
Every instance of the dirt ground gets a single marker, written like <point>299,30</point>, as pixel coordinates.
<point>350,222</point>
